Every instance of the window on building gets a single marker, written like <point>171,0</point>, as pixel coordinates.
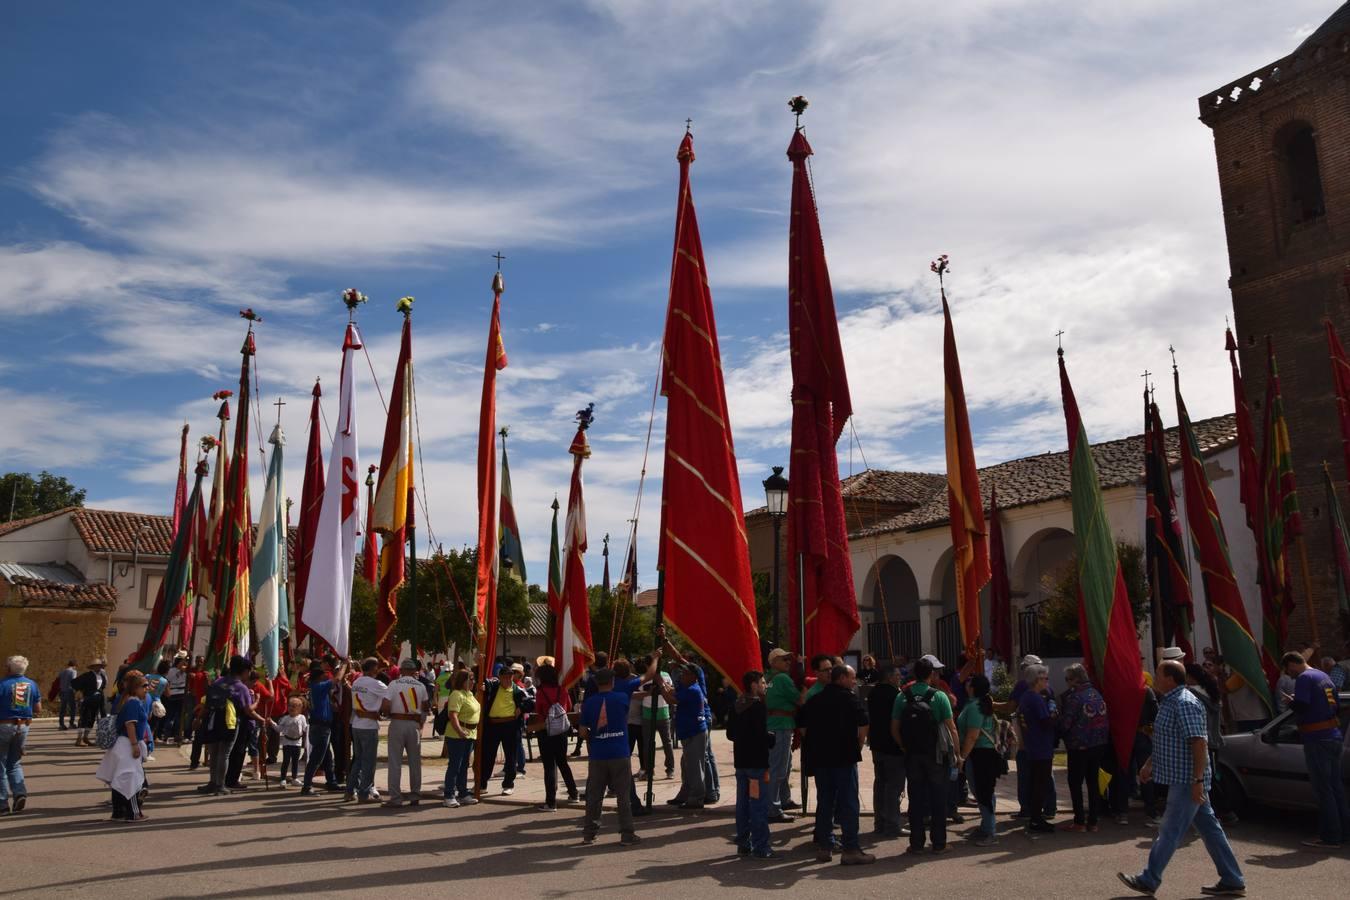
<point>1301,175</point>
<point>150,582</point>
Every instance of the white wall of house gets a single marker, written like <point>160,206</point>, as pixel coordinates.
<point>1037,539</point>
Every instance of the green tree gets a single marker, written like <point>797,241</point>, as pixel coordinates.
<point>445,601</point>
<point>637,636</point>
<point>764,607</point>
<point>361,637</point>
<point>22,495</point>
<point>1059,614</point>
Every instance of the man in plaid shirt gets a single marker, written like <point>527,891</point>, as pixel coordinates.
<point>1181,760</point>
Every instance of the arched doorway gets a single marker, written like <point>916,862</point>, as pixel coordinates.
<point>1037,564</point>
<point>894,592</point>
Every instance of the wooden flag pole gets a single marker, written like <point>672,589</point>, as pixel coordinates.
<point>1308,591</point>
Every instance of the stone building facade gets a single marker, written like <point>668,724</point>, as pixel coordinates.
<point>51,617</point>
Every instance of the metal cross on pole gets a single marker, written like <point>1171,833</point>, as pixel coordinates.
<point>498,257</point>
<point>279,404</point>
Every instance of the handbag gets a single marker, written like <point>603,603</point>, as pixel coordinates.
<point>105,732</point>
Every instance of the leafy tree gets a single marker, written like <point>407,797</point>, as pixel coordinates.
<point>361,637</point>
<point>22,495</point>
<point>636,631</point>
<point>1059,614</point>
<point>764,607</point>
<point>445,601</point>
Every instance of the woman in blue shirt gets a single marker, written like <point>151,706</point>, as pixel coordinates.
<point>122,768</point>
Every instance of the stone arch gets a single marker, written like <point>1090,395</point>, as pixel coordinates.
<point>1040,554</point>
<point>893,591</point>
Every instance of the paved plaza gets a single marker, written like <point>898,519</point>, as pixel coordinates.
<point>273,843</point>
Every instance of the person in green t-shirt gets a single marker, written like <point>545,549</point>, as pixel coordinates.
<point>781,701</point>
<point>984,763</point>
<point>927,772</point>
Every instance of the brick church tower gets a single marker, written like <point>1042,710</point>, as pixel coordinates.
<point>1282,142</point>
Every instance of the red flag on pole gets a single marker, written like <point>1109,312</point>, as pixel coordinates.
<point>970,546</point>
<point>574,644</point>
<point>1340,376</point>
<point>820,575</point>
<point>488,543</point>
<point>703,552</point>
<point>311,502</point>
<point>391,511</point>
<point>1000,590</point>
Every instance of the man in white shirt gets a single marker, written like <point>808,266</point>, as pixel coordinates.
<point>173,704</point>
<point>367,698</point>
<point>406,705</point>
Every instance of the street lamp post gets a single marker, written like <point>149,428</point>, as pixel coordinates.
<point>775,498</point>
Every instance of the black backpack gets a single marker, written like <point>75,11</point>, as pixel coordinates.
<point>918,730</point>
<point>217,717</point>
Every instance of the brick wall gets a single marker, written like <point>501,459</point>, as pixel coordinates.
<point>1287,278</point>
<point>50,637</point>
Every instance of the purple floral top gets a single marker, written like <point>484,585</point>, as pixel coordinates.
<point>1082,720</point>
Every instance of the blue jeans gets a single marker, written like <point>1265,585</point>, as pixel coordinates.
<point>320,752</point>
<point>361,774</point>
<point>457,768</point>
<point>69,709</point>
<point>780,770</point>
<point>1177,818</point>
<point>711,785</point>
<point>12,738</point>
<point>837,802</point>
<point>752,811</point>
<point>1324,771</point>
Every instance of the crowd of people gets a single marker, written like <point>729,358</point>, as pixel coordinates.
<point>934,734</point>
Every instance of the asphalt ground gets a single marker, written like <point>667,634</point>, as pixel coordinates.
<point>275,843</point>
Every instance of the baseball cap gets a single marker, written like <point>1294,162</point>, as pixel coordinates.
<point>777,653</point>
<point>933,661</point>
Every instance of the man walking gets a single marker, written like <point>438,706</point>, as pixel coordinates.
<point>68,706</point>
<point>1317,709</point>
<point>406,704</point>
<point>888,760</point>
<point>781,700</point>
<point>1181,760</point>
<point>604,725</point>
<point>93,702</point>
<point>20,701</point>
<point>922,726</point>
<point>368,697</point>
<point>836,723</point>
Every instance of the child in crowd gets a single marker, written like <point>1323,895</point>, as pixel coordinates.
<point>294,730</point>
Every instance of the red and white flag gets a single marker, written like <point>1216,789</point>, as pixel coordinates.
<point>574,629</point>
<point>328,595</point>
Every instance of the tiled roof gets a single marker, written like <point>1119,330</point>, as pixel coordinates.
<point>54,595</point>
<point>7,527</point>
<point>538,626</point>
<point>892,487</point>
<point>1038,479</point>
<point>108,531</point>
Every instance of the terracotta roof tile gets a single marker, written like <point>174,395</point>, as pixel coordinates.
<point>1038,479</point>
<point>7,527</point>
<point>893,487</point>
<point>109,531</point>
<point>54,595</point>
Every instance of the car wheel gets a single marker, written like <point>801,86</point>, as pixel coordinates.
<point>1234,797</point>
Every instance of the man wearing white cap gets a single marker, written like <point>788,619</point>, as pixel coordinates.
<point>781,700</point>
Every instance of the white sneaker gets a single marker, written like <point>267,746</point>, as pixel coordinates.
<point>452,803</point>
<point>467,801</point>
<point>508,791</point>
<point>150,757</point>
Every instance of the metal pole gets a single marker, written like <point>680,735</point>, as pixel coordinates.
<point>777,563</point>
<point>412,580</point>
<point>656,687</point>
<point>801,636</point>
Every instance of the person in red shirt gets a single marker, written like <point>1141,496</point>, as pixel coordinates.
<point>281,695</point>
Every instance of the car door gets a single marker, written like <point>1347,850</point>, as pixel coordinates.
<point>1277,774</point>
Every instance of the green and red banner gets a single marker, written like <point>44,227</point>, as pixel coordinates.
<point>234,555</point>
<point>1340,544</point>
<point>311,503</point>
<point>1237,643</point>
<point>1279,521</point>
<point>1340,377</point>
<point>485,590</point>
<point>1249,470</point>
<point>511,549</point>
<point>1106,619</point>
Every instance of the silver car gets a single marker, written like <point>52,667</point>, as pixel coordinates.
<point>1267,767</point>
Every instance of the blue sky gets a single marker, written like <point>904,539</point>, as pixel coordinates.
<point>167,164</point>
